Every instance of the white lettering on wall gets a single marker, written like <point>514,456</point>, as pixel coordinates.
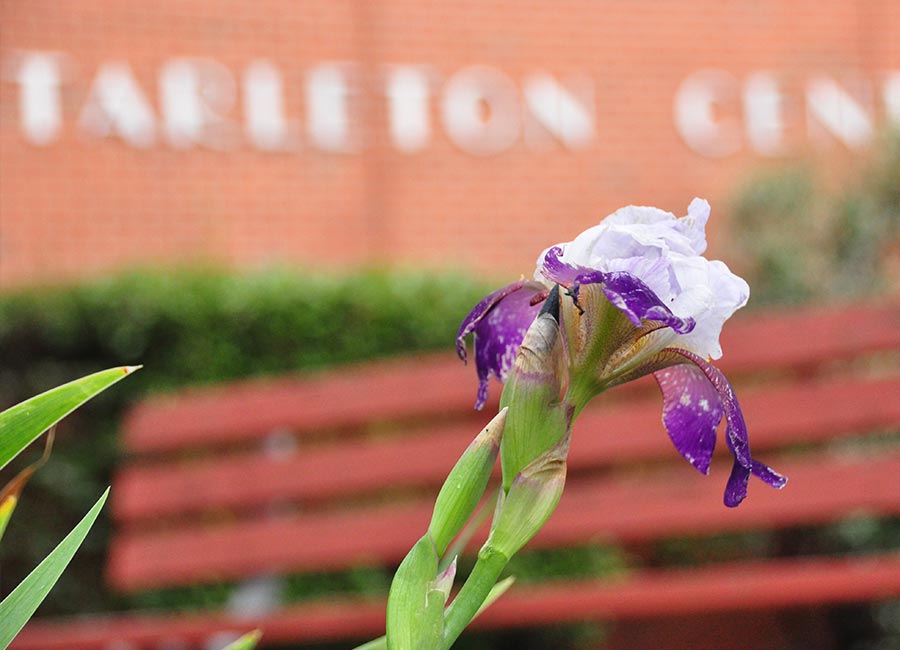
<point>560,112</point>
<point>764,114</point>
<point>265,123</point>
<point>892,96</point>
<point>327,104</point>
<point>830,108</point>
<point>407,88</point>
<point>704,113</point>
<point>481,110</point>
<point>40,109</point>
<point>116,106</point>
<point>196,95</point>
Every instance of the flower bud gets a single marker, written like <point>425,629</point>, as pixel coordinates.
<point>530,501</point>
<point>413,621</point>
<point>537,418</point>
<point>465,485</point>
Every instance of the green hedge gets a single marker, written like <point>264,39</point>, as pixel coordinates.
<point>186,328</point>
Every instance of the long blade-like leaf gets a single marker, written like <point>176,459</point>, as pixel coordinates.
<point>22,423</point>
<point>246,642</point>
<point>18,607</point>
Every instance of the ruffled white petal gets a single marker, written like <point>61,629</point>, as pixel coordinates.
<point>665,253</point>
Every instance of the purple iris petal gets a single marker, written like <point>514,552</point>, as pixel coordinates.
<point>483,307</point>
<point>627,292</point>
<point>499,323</point>
<point>736,430</point>
<point>637,301</point>
<point>736,488</point>
<point>692,411</point>
<point>557,270</point>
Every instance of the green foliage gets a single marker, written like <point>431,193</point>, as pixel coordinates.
<point>206,326</point>
<point>591,561</point>
<point>18,607</point>
<point>20,425</point>
<point>245,642</point>
<point>187,328</point>
<point>24,422</point>
<point>796,241</point>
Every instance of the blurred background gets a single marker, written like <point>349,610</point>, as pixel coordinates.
<point>230,189</point>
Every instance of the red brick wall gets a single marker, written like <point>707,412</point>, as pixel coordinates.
<point>80,205</point>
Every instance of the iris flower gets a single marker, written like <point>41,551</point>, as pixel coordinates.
<point>639,298</point>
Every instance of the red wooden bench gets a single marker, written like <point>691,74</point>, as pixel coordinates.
<point>338,470</point>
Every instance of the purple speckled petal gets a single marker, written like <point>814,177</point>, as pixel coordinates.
<point>556,270</point>
<point>499,323</point>
<point>736,434</point>
<point>736,427</point>
<point>627,292</point>
<point>768,475</point>
<point>692,411</point>
<point>736,488</point>
<point>483,307</point>
<point>637,301</point>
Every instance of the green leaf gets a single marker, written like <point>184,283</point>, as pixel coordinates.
<point>18,607</point>
<point>246,642</point>
<point>22,423</point>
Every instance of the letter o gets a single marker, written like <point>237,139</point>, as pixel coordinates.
<point>481,110</point>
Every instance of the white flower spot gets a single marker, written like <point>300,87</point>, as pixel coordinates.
<point>685,399</point>
<point>704,404</point>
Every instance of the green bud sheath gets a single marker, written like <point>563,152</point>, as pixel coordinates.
<point>537,419</point>
<point>466,483</point>
<point>530,501</point>
<point>415,608</point>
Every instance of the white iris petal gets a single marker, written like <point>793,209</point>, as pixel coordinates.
<point>665,253</point>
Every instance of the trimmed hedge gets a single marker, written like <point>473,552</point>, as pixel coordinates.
<point>186,328</point>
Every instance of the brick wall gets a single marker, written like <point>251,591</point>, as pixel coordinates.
<point>79,204</point>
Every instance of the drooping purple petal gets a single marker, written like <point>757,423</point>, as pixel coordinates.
<point>736,433</point>
<point>478,311</point>
<point>736,488</point>
<point>627,292</point>
<point>692,411</point>
<point>768,475</point>
<point>499,323</point>
<point>736,429</point>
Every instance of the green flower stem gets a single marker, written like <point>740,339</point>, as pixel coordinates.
<point>475,591</point>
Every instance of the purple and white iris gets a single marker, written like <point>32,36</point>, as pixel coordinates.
<point>671,303</point>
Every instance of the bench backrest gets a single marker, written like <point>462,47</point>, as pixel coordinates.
<point>340,468</point>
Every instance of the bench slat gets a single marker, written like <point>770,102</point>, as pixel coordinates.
<point>642,594</point>
<point>605,435</point>
<point>765,584</point>
<point>248,410</point>
<point>674,501</point>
